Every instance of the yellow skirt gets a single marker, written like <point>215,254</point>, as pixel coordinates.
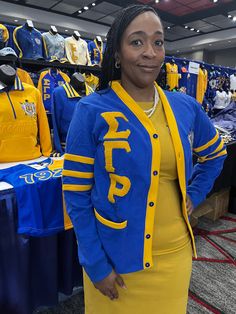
<point>163,289</point>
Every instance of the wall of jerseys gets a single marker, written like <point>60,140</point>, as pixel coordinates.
<point>30,43</point>
<point>199,80</point>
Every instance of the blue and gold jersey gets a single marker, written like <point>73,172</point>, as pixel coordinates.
<point>39,197</point>
<point>48,81</point>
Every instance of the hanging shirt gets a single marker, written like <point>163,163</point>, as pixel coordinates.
<point>24,76</point>
<point>48,81</point>
<point>172,76</point>
<point>201,85</point>
<point>29,42</point>
<point>54,45</point>
<point>96,51</point>
<point>24,132</point>
<point>39,199</point>
<point>233,82</point>
<point>77,51</point>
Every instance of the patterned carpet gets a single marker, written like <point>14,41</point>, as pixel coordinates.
<point>212,288</point>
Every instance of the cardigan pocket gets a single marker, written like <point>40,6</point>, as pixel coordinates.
<point>109,223</point>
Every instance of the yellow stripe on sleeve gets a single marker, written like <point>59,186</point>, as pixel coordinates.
<point>76,187</point>
<point>205,146</point>
<point>224,152</point>
<point>77,174</point>
<point>78,158</point>
<point>219,148</point>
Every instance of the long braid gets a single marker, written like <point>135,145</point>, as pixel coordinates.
<point>126,16</point>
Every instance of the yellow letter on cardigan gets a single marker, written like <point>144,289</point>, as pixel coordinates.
<point>109,146</point>
<point>114,190</point>
<point>111,119</point>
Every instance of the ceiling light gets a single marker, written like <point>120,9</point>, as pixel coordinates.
<point>198,31</point>
<point>229,16</point>
<point>192,29</point>
<point>156,1</point>
<point>66,30</point>
<point>210,44</point>
<point>80,11</point>
<point>168,27</point>
<point>93,4</point>
<point>234,18</point>
<point>15,20</point>
<point>86,8</point>
<point>185,26</point>
<point>215,1</point>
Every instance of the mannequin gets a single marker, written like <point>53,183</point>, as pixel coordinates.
<point>54,44</point>
<point>77,81</point>
<point>64,101</point>
<point>7,75</point>
<point>77,50</point>
<point>29,24</point>
<point>24,132</point>
<point>28,41</point>
<point>53,30</point>
<point>96,50</point>
<point>76,35</point>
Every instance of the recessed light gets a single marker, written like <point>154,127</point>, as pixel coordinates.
<point>198,31</point>
<point>86,8</point>
<point>185,26</point>
<point>80,11</point>
<point>192,29</point>
<point>168,27</point>
<point>156,1</point>
<point>15,20</point>
<point>215,1</point>
<point>210,44</point>
<point>229,16</point>
<point>66,30</point>
<point>229,41</point>
<point>234,18</point>
<point>93,4</point>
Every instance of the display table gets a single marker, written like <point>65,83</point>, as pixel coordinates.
<point>33,270</point>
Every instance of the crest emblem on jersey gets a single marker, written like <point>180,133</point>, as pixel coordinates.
<point>29,108</point>
<point>37,40</point>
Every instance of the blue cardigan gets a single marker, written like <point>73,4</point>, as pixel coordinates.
<point>110,176</point>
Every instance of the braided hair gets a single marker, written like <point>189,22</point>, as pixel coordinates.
<point>118,27</point>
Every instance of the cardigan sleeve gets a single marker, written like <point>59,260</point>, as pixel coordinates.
<point>78,181</point>
<point>211,152</point>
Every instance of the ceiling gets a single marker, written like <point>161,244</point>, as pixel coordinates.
<point>188,23</point>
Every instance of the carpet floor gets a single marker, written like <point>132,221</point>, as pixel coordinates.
<point>213,282</point>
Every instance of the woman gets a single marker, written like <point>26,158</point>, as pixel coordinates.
<point>128,179</point>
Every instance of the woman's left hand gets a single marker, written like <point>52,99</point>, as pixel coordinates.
<point>189,205</point>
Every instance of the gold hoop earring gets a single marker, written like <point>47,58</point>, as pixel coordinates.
<point>117,65</point>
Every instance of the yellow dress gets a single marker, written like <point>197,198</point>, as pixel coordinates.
<point>163,289</point>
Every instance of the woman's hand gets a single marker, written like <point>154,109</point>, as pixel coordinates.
<point>189,205</point>
<point>107,286</point>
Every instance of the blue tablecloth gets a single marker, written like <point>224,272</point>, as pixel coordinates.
<point>33,270</point>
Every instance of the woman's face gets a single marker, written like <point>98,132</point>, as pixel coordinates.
<point>142,50</point>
